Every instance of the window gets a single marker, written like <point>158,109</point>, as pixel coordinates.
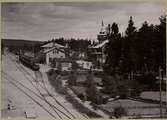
<point>65,64</point>
<point>53,51</point>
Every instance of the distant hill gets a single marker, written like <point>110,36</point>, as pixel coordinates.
<point>20,43</point>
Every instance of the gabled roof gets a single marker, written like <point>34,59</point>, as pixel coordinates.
<point>51,44</point>
<point>101,44</point>
<point>53,48</point>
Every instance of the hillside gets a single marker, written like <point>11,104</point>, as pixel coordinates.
<point>19,42</point>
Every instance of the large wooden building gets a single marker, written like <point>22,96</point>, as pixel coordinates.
<point>53,50</point>
<point>56,55</point>
<point>97,52</point>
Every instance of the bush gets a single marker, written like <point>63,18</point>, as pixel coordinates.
<point>122,90</point>
<point>147,79</point>
<point>115,85</point>
<point>72,78</point>
<point>109,84</point>
<point>119,112</point>
<point>105,100</point>
<point>136,92</point>
<point>51,71</point>
<point>81,96</point>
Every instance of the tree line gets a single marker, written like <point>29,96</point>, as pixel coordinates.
<point>142,50</point>
<point>73,43</point>
<point>133,60</point>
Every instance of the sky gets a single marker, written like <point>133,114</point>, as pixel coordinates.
<point>44,21</point>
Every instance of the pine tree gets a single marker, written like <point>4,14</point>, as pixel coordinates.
<point>144,47</point>
<point>113,49</point>
<point>162,43</point>
<point>130,29</point>
<point>129,50</point>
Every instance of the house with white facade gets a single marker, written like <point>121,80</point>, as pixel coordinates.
<point>56,56</point>
<point>53,50</point>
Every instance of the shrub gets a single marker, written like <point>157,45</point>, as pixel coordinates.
<point>147,79</point>
<point>119,112</point>
<point>72,78</point>
<point>105,100</point>
<point>51,71</point>
<point>81,96</point>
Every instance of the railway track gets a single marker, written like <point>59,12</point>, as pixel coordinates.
<point>44,86</point>
<point>56,110</point>
<point>26,90</point>
<point>52,106</point>
<point>65,112</point>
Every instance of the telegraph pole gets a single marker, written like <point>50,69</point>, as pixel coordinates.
<point>166,92</point>
<point>160,89</point>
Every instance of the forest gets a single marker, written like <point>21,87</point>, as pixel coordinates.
<point>140,50</point>
<point>133,61</point>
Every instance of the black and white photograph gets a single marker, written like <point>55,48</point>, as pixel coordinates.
<point>83,60</point>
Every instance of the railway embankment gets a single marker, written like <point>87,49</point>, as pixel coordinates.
<point>56,80</point>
